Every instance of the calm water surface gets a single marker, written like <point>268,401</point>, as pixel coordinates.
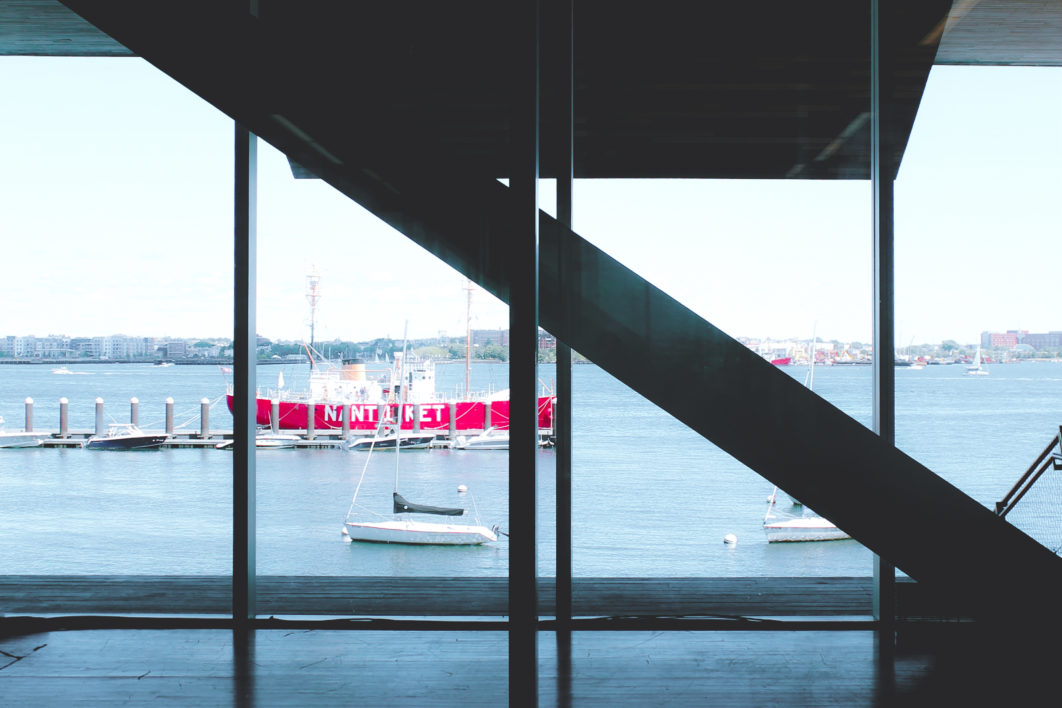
<point>650,496</point>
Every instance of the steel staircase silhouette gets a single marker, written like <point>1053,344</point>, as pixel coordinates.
<point>707,380</point>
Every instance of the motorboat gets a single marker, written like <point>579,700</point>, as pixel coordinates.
<point>276,441</point>
<point>490,439</point>
<point>389,440</point>
<point>126,436</point>
<point>406,441</point>
<point>15,438</point>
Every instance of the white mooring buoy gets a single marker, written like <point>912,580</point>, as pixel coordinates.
<point>730,539</point>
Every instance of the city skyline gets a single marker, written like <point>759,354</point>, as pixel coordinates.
<point>1005,339</point>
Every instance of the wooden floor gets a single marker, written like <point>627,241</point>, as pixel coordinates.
<point>468,669</point>
<point>346,596</point>
<point>430,596</point>
<point>68,660</point>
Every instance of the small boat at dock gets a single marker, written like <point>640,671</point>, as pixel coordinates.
<point>17,439</point>
<point>126,436</point>
<point>489,439</point>
<point>274,441</point>
<point>389,440</point>
<point>492,439</point>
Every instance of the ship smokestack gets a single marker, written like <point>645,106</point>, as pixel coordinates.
<point>353,370</point>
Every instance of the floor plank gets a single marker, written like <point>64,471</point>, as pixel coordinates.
<point>426,596</point>
<point>607,669</point>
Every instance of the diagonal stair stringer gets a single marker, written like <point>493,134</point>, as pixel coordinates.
<point>701,376</point>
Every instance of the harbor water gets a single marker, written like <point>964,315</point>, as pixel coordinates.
<point>651,498</point>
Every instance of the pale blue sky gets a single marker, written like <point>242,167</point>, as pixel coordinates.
<point>115,210</point>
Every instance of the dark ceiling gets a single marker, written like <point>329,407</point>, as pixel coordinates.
<point>772,89</point>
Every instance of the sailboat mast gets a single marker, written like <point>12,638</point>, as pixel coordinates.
<point>811,370</point>
<point>809,380</point>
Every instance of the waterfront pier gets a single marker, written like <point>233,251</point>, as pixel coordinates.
<point>198,433</point>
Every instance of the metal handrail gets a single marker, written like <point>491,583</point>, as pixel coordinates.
<point>1026,481</point>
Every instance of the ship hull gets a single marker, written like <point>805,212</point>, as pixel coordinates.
<point>420,533</point>
<point>466,415</point>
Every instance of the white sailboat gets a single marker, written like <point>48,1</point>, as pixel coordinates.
<point>977,369</point>
<point>807,526</point>
<point>408,522</point>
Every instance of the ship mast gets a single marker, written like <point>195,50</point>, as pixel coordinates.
<point>313,294</point>
<point>468,340</point>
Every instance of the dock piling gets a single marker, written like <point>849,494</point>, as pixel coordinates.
<point>344,417</point>
<point>134,410</point>
<point>274,416</point>
<point>204,418</point>
<point>311,413</point>
<point>99,416</point>
<point>29,415</point>
<point>169,416</point>
<point>64,418</point>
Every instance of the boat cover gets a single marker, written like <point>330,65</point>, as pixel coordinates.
<point>404,507</point>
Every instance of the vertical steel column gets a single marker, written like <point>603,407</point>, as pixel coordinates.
<point>562,410</point>
<point>243,399</point>
<point>522,252</point>
<point>881,175</point>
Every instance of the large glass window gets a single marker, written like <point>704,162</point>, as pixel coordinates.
<point>115,205</point>
<point>781,266</point>
<point>977,222</point>
<point>386,325</point>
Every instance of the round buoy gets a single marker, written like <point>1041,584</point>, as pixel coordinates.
<point>462,488</point>
<point>730,539</point>
<point>345,532</point>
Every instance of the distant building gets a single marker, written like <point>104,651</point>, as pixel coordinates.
<point>84,347</point>
<point>174,349</point>
<point>1013,337</point>
<point>1048,340</point>
<point>53,347</point>
<point>25,347</point>
<point>482,337</point>
<point>1002,340</point>
<point>500,337</point>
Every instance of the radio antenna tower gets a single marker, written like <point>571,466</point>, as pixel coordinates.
<point>313,294</point>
